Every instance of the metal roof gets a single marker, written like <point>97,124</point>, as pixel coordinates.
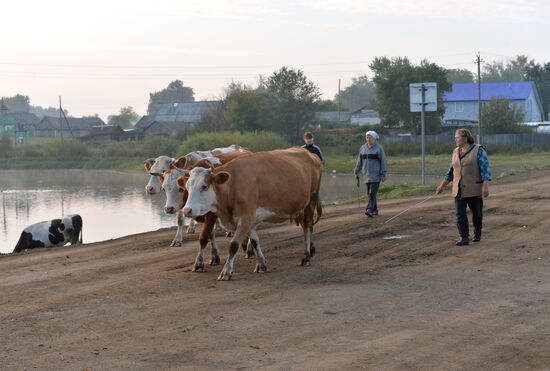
<point>489,90</point>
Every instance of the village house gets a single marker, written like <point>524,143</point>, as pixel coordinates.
<point>461,106</point>
<point>70,127</point>
<point>170,117</point>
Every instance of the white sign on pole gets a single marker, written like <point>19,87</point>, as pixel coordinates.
<point>430,96</point>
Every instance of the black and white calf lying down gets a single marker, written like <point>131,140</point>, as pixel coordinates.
<point>55,232</point>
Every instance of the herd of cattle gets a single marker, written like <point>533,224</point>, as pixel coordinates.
<point>231,185</point>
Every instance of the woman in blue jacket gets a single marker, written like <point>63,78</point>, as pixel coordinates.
<point>372,163</point>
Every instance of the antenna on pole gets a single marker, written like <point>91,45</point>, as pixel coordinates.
<point>478,61</point>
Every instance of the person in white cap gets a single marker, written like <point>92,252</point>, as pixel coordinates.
<point>372,163</point>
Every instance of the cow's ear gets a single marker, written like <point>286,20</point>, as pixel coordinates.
<point>221,177</point>
<point>180,162</point>
<point>182,181</point>
<point>203,163</point>
<point>148,163</point>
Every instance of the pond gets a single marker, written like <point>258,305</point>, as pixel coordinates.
<point>112,203</point>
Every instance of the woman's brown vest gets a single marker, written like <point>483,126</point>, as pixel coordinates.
<point>466,174</point>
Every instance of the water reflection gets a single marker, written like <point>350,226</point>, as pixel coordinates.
<point>112,203</point>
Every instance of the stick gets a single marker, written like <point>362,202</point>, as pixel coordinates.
<point>416,204</point>
<point>358,194</point>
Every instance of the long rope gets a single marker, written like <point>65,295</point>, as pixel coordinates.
<point>416,204</point>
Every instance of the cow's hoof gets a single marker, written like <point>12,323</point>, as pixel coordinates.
<point>305,262</point>
<point>312,249</point>
<point>260,268</point>
<point>176,243</point>
<point>215,260</point>
<point>198,268</point>
<point>224,276</point>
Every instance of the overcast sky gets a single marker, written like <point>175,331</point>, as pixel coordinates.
<point>102,55</point>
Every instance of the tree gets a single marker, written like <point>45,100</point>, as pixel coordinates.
<point>125,119</point>
<point>327,105</point>
<point>213,120</point>
<point>459,75</point>
<point>392,78</point>
<point>17,103</point>
<point>499,116</point>
<point>359,94</point>
<point>294,99</point>
<point>174,93</point>
<point>248,110</point>
<point>512,70</point>
<point>540,74</point>
<point>49,111</point>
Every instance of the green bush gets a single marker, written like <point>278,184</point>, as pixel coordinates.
<point>6,145</point>
<point>30,150</point>
<point>153,146</point>
<point>255,141</point>
<point>67,148</point>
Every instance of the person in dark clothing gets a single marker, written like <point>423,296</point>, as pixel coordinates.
<point>470,175</point>
<point>373,164</point>
<point>311,147</point>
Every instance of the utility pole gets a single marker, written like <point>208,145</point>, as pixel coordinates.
<point>422,132</point>
<point>478,61</point>
<point>60,119</point>
<point>339,100</point>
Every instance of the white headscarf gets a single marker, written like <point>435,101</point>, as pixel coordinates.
<point>373,134</point>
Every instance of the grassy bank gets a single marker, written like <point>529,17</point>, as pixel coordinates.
<point>501,165</point>
<point>115,163</point>
<point>439,164</point>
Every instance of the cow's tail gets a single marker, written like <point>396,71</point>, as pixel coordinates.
<point>77,225</point>
<point>317,200</point>
<point>318,209</point>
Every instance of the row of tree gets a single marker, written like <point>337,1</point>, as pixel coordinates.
<point>286,101</point>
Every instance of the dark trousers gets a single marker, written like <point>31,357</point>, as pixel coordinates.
<point>372,189</point>
<point>476,206</point>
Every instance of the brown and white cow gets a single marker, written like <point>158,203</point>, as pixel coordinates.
<point>272,186</point>
<point>157,167</point>
<point>176,198</point>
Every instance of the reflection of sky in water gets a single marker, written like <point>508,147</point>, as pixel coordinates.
<point>112,203</point>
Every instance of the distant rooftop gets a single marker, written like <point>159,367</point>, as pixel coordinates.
<point>489,90</point>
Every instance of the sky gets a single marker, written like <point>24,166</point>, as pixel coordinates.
<point>102,55</point>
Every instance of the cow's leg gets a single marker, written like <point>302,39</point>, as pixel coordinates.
<point>241,232</point>
<point>210,223</point>
<point>214,250</point>
<point>307,227</point>
<point>204,237</point>
<point>178,240</point>
<point>254,241</point>
<point>192,226</point>
<point>248,249</point>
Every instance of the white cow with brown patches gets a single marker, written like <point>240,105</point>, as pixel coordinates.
<point>269,186</point>
<point>165,170</point>
<point>176,198</point>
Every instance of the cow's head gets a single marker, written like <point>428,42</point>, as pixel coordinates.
<point>157,167</point>
<point>200,186</point>
<point>174,194</point>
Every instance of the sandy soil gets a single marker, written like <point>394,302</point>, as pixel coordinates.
<point>368,301</point>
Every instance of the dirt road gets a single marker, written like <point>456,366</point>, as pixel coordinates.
<point>377,296</point>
